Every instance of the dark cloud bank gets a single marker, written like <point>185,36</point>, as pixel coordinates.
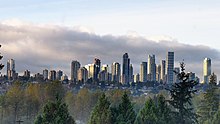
<point>36,47</point>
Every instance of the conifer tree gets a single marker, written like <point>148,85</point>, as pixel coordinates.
<point>101,113</point>
<point>55,113</point>
<point>147,115</point>
<point>155,111</point>
<point>1,65</point>
<point>210,103</point>
<point>181,97</point>
<point>125,112</point>
<point>163,111</point>
<point>216,118</point>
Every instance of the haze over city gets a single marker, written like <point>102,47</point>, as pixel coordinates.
<point>45,34</point>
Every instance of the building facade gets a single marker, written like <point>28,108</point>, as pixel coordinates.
<point>151,68</point>
<point>143,72</point>
<point>125,69</point>
<point>207,69</point>
<point>75,65</point>
<point>170,67</point>
<point>116,71</point>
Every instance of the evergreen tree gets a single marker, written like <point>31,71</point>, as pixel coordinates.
<point>155,111</point>
<point>101,113</point>
<point>1,65</point>
<point>148,115</point>
<point>125,112</point>
<point>216,118</point>
<point>163,111</point>
<point>210,103</point>
<point>55,113</point>
<point>181,97</point>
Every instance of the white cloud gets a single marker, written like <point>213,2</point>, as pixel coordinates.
<point>36,47</point>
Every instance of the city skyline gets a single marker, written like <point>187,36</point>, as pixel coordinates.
<point>96,69</point>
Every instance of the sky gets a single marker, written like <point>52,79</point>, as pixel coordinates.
<point>50,33</point>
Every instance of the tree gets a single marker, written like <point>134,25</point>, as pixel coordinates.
<point>4,106</point>
<point>210,102</point>
<point>181,97</point>
<point>216,118</point>
<point>101,113</point>
<point>155,111</point>
<point>32,100</point>
<point>163,111</point>
<point>1,65</point>
<point>124,113</point>
<point>147,115</point>
<point>55,113</point>
<point>83,104</point>
<point>54,88</point>
<point>14,98</point>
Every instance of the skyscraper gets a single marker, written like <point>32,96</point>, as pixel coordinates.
<point>11,73</point>
<point>151,68</point>
<point>103,75</point>
<point>82,74</point>
<point>91,70</point>
<point>59,75</point>
<point>27,74</point>
<point>170,67</point>
<point>131,76</point>
<point>52,75</point>
<point>136,78</point>
<point>97,63</point>
<point>45,74</point>
<point>125,69</point>
<point>105,67</point>
<point>75,65</point>
<point>116,71</point>
<point>143,72</point>
<point>158,71</point>
<point>206,69</point>
<point>163,71</point>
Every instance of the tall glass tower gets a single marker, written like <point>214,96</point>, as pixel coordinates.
<point>206,69</point>
<point>170,67</point>
<point>75,65</point>
<point>125,69</point>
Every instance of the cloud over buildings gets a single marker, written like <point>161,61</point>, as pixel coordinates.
<point>36,47</point>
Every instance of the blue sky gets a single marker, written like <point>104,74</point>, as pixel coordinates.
<point>188,21</point>
<point>186,26</point>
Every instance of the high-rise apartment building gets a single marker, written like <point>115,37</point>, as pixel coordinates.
<point>163,71</point>
<point>143,72</point>
<point>170,67</point>
<point>91,70</point>
<point>206,69</point>
<point>158,71</point>
<point>11,73</point>
<point>82,74</point>
<point>125,69</point>
<point>59,75</point>
<point>75,65</point>
<point>131,76</point>
<point>151,68</point>
<point>27,73</point>
<point>105,67</point>
<point>52,75</point>
<point>45,74</point>
<point>116,71</point>
<point>97,63</point>
<point>137,78</point>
